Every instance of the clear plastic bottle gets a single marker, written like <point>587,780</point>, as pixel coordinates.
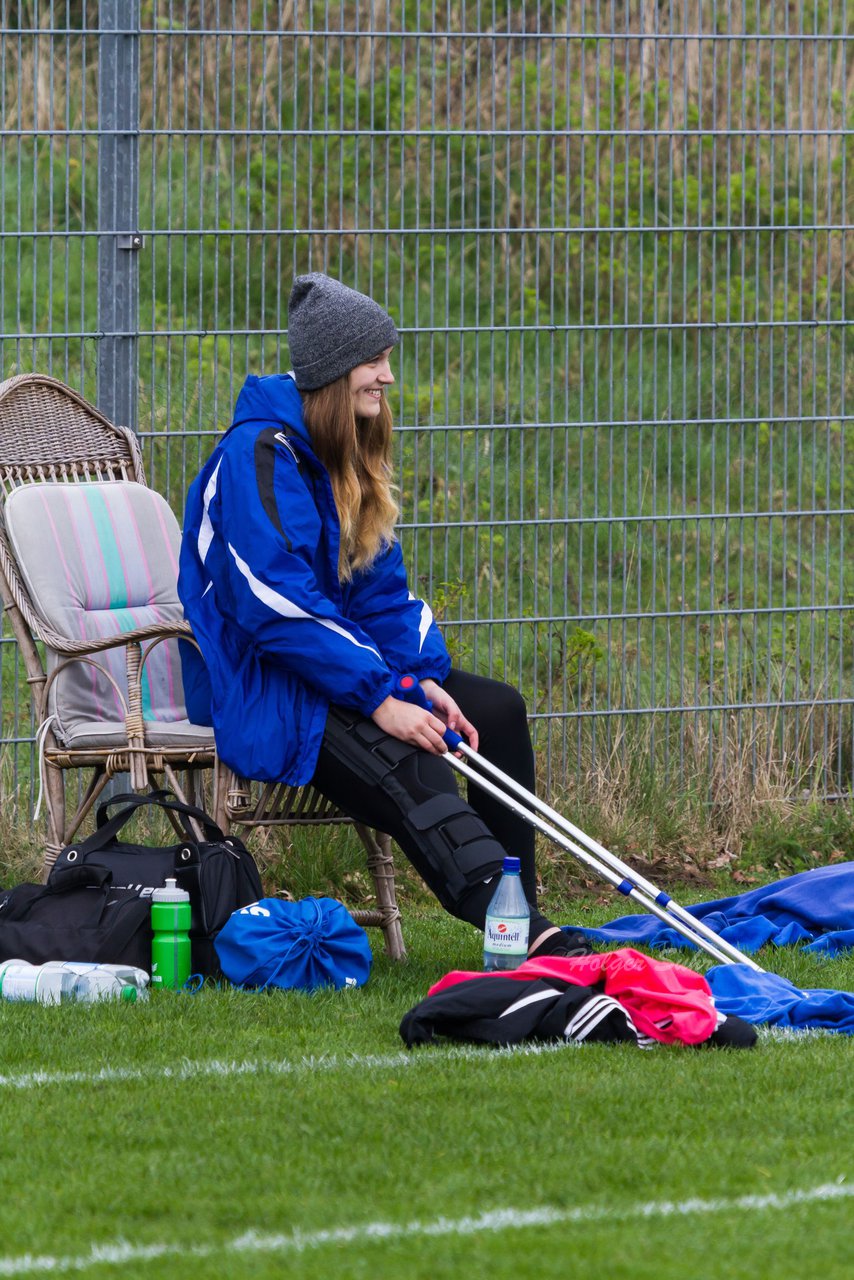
<point>109,982</point>
<point>508,921</point>
<point>60,980</point>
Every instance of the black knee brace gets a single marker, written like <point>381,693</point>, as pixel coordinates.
<point>456,841</point>
<point>451,837</point>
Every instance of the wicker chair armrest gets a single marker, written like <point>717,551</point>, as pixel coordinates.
<point>43,631</point>
<point>154,631</point>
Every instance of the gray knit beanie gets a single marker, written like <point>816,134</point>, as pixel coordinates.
<point>331,329</point>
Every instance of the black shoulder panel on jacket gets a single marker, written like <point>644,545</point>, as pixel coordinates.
<point>266,444</point>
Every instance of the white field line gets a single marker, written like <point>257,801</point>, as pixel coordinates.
<point>188,1069</point>
<point>217,1067</point>
<point>252,1242</point>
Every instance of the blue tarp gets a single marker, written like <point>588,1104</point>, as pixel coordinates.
<point>814,907</point>
<point>765,997</point>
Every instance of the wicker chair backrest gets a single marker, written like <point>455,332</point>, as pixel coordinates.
<point>99,560</point>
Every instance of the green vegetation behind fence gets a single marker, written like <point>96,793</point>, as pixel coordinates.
<point>616,250</point>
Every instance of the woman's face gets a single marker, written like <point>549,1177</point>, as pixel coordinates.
<point>367,382</point>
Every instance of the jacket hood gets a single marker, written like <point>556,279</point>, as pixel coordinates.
<point>275,398</point>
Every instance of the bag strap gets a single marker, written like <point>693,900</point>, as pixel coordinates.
<point>125,923</point>
<point>78,876</point>
<point>108,829</point>
<point>18,901</point>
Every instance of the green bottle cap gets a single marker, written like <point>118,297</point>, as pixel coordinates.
<point>129,993</point>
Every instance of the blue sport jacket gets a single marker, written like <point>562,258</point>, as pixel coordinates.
<point>280,636</point>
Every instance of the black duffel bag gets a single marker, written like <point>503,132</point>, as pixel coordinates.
<point>219,872</point>
<point>79,915</point>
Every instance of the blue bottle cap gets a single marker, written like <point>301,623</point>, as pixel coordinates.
<point>512,864</point>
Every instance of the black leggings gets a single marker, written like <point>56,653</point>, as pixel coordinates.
<point>381,782</point>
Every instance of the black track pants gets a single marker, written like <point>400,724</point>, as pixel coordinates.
<point>381,782</point>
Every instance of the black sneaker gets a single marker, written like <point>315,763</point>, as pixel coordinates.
<point>568,942</point>
<point>732,1033</point>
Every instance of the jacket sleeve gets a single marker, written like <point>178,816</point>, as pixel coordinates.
<point>401,625</point>
<point>260,538</point>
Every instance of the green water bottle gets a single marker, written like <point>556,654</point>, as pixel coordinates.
<point>170,945</point>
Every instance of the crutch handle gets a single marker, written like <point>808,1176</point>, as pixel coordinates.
<point>409,690</point>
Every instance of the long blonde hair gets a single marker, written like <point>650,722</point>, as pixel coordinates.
<point>357,454</point>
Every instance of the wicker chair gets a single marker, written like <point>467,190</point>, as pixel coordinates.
<point>51,437</point>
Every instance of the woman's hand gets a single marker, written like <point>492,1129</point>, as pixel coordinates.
<point>411,724</point>
<point>446,708</point>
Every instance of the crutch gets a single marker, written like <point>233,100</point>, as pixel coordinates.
<point>575,841</point>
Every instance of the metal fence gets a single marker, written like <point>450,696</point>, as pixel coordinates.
<point>616,239</point>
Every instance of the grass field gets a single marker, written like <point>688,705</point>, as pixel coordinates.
<point>251,1135</point>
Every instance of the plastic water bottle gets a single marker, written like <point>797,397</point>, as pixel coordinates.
<point>171,957</point>
<point>60,980</point>
<point>508,920</point>
<point>108,982</point>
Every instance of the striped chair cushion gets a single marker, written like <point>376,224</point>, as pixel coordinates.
<point>98,560</point>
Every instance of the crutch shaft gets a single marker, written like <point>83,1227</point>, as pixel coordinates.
<point>606,864</point>
<point>605,872</point>
<point>675,911</point>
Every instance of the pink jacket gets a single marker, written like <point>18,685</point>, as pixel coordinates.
<point>665,1001</point>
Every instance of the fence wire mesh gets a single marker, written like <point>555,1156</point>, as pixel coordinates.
<point>616,240</point>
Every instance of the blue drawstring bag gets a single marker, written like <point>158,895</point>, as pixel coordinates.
<point>305,945</point>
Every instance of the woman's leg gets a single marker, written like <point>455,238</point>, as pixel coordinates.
<point>499,714</point>
<point>413,796</point>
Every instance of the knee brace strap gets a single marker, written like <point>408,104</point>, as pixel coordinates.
<point>455,841</point>
<point>382,745</point>
<point>355,738</point>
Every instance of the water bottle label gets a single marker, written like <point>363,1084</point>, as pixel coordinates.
<point>19,986</point>
<point>508,937</point>
<point>34,984</point>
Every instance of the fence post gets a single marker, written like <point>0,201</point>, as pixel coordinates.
<point>119,241</point>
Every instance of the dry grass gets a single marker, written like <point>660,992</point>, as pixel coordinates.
<point>741,799</point>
